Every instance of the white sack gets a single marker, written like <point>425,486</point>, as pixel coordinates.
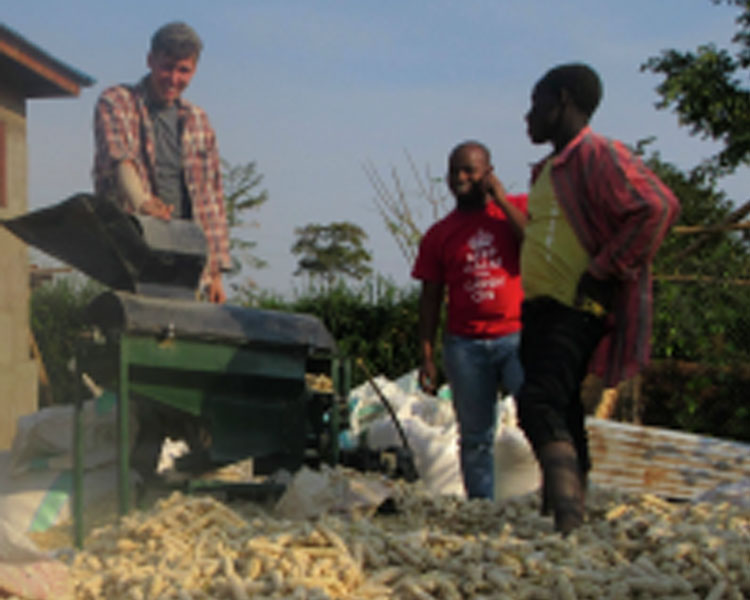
<point>430,427</point>
<point>44,439</point>
<point>313,493</point>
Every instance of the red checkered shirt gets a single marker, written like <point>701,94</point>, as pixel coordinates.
<point>123,131</point>
<point>620,212</point>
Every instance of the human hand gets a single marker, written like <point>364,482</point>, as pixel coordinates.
<point>215,290</point>
<point>154,207</point>
<point>494,187</point>
<point>428,377</point>
<point>595,295</point>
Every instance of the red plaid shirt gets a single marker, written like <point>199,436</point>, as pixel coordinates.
<point>620,212</point>
<point>123,131</point>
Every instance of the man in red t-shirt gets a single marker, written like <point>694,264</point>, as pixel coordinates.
<point>474,252</point>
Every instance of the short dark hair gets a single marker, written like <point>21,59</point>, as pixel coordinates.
<point>471,144</point>
<point>581,81</point>
<point>177,40</point>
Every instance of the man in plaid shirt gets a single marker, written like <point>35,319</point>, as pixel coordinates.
<point>156,153</point>
<point>596,217</point>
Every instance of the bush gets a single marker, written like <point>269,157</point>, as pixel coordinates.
<point>697,382</point>
<point>701,348</point>
<point>377,322</point>
<point>57,310</point>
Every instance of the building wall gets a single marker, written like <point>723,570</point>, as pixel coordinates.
<point>18,371</point>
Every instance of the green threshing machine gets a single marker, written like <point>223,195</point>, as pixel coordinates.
<point>239,374</point>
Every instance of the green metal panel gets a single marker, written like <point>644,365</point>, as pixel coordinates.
<point>204,356</point>
<point>186,399</point>
<point>185,373</point>
<point>252,398</point>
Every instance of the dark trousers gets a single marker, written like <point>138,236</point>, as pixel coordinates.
<point>556,345</point>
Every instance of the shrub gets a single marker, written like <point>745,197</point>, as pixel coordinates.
<point>57,310</point>
<point>376,321</point>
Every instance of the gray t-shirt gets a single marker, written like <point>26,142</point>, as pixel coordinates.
<point>170,184</point>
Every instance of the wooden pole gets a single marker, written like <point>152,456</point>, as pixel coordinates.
<point>47,399</point>
<point>730,219</point>
<point>700,279</point>
<point>689,229</point>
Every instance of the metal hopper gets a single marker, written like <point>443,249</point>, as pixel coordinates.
<point>125,252</point>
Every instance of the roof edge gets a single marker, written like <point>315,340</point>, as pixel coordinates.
<point>51,66</point>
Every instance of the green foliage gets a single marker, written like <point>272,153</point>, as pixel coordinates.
<point>702,342</point>
<point>376,321</point>
<point>57,310</point>
<point>703,321</point>
<point>706,89</point>
<point>240,196</point>
<point>331,252</point>
<point>700,319</point>
<point>701,400</point>
<point>725,254</point>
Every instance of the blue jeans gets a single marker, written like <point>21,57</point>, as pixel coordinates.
<point>475,368</point>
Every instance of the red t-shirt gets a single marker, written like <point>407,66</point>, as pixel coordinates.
<point>476,255</point>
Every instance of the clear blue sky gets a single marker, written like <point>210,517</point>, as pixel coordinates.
<point>310,90</point>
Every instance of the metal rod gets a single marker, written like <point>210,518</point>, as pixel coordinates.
<point>77,454</point>
<point>361,364</point>
<point>334,421</point>
<point>123,414</point>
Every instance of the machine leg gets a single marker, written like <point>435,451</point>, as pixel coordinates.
<point>77,457</point>
<point>334,420</point>
<point>341,377</point>
<point>343,407</point>
<point>123,429</point>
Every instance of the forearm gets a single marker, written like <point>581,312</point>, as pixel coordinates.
<point>430,302</point>
<point>516,217</point>
<point>116,147</point>
<point>130,187</point>
<point>216,291</point>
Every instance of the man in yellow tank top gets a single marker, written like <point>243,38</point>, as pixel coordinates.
<point>596,216</point>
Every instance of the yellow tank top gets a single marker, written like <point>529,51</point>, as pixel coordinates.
<point>552,258</point>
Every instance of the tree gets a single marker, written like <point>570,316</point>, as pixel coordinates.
<point>702,290</point>
<point>706,91</point>
<point>329,252</point>
<point>240,196</point>
<point>57,317</point>
<point>702,318</point>
<point>375,320</point>
<point>701,335</point>
<point>697,297</point>
<point>401,215</point>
